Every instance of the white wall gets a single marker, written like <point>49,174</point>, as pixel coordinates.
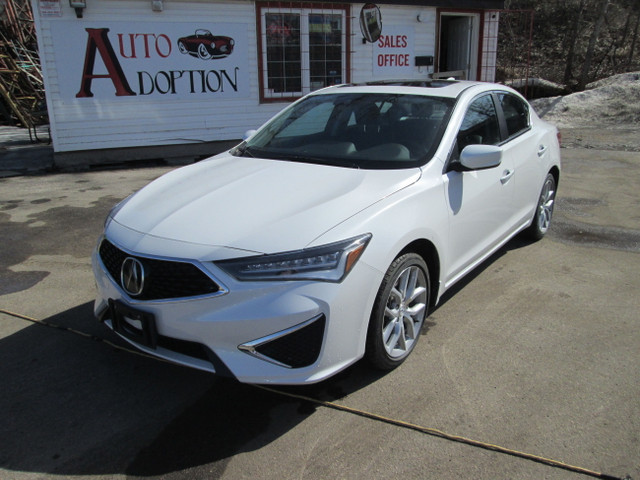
<point>394,19</point>
<point>108,121</point>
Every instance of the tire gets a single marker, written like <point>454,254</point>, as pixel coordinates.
<point>398,313</point>
<point>544,209</point>
<point>203,52</point>
<point>182,48</point>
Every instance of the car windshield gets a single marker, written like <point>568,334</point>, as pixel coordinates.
<point>359,130</point>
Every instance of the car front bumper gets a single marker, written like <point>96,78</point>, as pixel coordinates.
<point>281,332</point>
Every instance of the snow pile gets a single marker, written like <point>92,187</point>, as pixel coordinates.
<point>611,101</point>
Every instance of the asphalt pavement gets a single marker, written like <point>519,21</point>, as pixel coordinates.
<point>536,352</point>
<point>25,151</point>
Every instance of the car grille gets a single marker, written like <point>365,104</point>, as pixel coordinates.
<point>164,279</point>
<point>298,349</point>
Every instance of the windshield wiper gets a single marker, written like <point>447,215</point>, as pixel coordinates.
<point>242,150</point>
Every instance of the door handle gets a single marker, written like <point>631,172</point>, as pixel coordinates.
<point>506,175</point>
<point>542,149</point>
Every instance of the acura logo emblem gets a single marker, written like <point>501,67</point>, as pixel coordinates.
<point>132,276</point>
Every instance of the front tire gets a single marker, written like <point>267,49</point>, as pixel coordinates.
<point>544,210</point>
<point>398,313</point>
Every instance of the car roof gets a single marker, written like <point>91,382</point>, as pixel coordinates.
<point>429,87</point>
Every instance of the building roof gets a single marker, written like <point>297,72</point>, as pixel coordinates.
<point>453,4</point>
<point>457,4</point>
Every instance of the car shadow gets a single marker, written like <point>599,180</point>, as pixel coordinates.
<point>75,405</point>
<point>517,242</point>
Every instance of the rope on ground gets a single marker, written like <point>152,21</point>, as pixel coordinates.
<point>82,334</point>
<point>355,411</point>
<point>441,434</point>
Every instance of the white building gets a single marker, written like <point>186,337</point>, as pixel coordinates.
<point>171,73</point>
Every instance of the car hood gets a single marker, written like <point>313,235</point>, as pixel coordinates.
<point>256,205</point>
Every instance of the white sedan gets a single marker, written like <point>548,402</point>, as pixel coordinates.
<point>329,233</point>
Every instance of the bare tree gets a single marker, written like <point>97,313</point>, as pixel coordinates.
<point>575,41</point>
<point>571,39</point>
<point>635,35</point>
<point>588,58</point>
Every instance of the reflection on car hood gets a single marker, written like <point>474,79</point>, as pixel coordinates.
<point>254,204</point>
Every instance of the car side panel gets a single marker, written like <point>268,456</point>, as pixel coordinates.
<point>532,155</point>
<point>479,204</point>
<point>415,213</point>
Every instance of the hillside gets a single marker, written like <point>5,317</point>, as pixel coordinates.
<point>573,42</point>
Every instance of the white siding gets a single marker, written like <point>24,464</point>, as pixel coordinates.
<point>133,122</point>
<point>362,59</point>
<point>99,123</point>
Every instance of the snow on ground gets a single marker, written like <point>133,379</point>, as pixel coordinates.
<point>611,102</point>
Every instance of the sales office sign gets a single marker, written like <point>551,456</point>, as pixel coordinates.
<point>393,52</point>
<point>123,60</point>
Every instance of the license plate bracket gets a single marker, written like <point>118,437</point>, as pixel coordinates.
<point>136,325</point>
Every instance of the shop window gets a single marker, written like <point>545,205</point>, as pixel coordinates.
<point>301,49</point>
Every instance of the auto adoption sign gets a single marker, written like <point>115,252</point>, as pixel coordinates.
<point>126,60</point>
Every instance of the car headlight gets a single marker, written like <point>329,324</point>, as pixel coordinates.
<point>329,263</point>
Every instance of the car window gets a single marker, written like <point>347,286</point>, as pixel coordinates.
<point>480,124</point>
<point>359,130</point>
<point>516,113</point>
<point>310,122</point>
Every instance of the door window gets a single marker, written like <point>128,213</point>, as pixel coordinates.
<point>516,114</point>
<point>480,124</point>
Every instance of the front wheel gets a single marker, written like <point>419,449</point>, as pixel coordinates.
<point>398,313</point>
<point>544,210</point>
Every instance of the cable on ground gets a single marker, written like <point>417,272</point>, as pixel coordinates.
<point>355,411</point>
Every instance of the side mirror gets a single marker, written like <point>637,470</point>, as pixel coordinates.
<point>248,134</point>
<point>480,157</point>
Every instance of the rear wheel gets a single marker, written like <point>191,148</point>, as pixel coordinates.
<point>203,52</point>
<point>399,312</point>
<point>544,210</point>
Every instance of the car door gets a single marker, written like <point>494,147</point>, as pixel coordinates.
<point>526,148</point>
<point>479,201</point>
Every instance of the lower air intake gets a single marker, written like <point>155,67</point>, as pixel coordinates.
<point>298,349</point>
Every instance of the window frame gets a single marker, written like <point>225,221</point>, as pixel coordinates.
<point>304,10</point>
<point>497,108</point>
<point>503,119</point>
<point>454,152</point>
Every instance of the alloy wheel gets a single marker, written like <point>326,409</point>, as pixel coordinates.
<point>546,203</point>
<point>404,312</point>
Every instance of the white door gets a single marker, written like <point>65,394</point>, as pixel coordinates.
<point>480,202</point>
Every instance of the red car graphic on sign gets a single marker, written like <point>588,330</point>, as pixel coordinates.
<point>205,45</point>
